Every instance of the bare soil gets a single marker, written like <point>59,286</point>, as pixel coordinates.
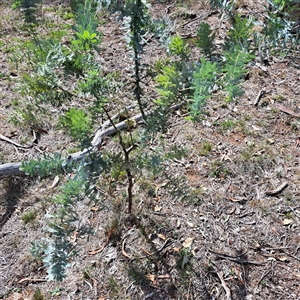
<point>237,235</point>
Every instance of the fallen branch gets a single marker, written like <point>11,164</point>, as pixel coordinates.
<point>14,168</point>
<point>103,131</point>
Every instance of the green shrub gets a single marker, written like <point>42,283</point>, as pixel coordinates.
<point>77,122</point>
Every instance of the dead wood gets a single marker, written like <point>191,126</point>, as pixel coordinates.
<point>235,259</point>
<point>258,97</point>
<point>14,168</point>
<point>6,139</point>
<point>278,190</point>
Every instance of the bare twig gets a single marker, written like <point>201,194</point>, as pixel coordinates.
<point>291,255</point>
<point>157,251</point>
<point>263,276</point>
<point>235,259</point>
<point>104,245</point>
<point>287,110</point>
<point>225,287</point>
<point>32,280</point>
<point>258,97</point>
<point>4,138</point>
<point>278,190</point>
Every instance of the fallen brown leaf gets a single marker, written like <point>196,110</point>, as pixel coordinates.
<point>190,224</point>
<point>73,238</point>
<point>152,278</point>
<point>163,237</point>
<point>188,242</point>
<point>166,276</point>
<point>123,250</point>
<point>287,222</point>
<point>55,182</point>
<point>236,199</point>
<point>15,296</point>
<point>157,208</point>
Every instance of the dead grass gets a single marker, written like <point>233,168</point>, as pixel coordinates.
<point>243,240</point>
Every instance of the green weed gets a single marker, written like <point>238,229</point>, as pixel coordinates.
<point>184,261</point>
<point>77,122</point>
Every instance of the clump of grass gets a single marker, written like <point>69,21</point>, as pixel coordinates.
<point>29,216</point>
<point>38,295</point>
<point>205,148</point>
<point>218,169</point>
<point>228,125</point>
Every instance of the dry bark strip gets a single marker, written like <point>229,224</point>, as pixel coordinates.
<point>14,168</point>
<point>287,110</point>
<point>278,190</point>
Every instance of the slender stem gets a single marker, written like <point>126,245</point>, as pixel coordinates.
<point>130,181</point>
<point>126,161</point>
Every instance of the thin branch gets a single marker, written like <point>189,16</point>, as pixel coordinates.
<point>235,259</point>
<point>225,287</point>
<point>4,138</point>
<point>278,190</point>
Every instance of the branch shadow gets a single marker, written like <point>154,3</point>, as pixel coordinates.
<point>13,189</point>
